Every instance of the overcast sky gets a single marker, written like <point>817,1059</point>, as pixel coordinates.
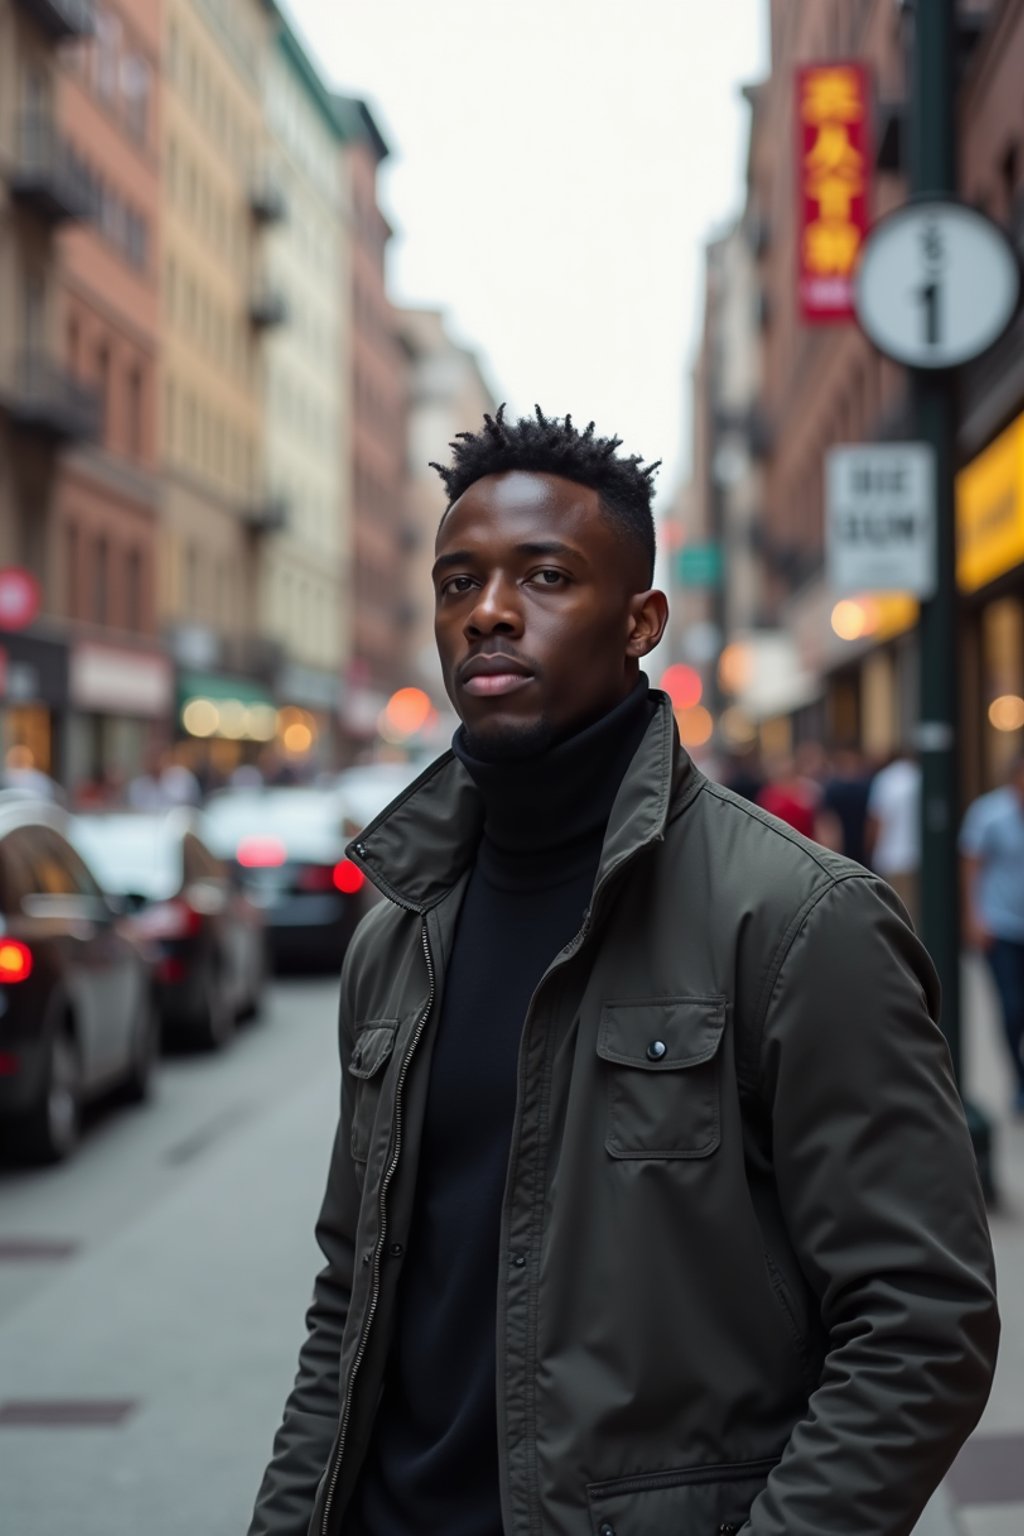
<point>555,167</point>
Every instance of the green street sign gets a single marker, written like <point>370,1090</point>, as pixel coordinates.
<point>699,565</point>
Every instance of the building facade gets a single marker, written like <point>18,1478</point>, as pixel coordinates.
<point>382,615</point>
<point>102,548</point>
<point>849,671</point>
<point>218,306</point>
<point>304,575</point>
<point>43,408</point>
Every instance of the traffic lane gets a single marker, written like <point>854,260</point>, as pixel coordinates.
<point>179,1332</point>
<point>132,1157</point>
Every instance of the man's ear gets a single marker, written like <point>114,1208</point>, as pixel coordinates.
<point>648,615</point>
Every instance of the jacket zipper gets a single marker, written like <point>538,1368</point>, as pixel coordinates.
<point>381,1235</point>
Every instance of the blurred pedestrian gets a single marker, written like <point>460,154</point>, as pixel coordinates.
<point>845,800</point>
<point>787,795</point>
<point>893,828</point>
<point>741,772</point>
<point>637,1091</point>
<point>21,773</point>
<point>992,845</point>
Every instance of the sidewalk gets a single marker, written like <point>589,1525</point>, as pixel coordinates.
<point>984,1492</point>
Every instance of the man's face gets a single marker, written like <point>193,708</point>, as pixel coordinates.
<point>541,611</point>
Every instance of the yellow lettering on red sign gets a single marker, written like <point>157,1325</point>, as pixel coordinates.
<point>832,96</point>
<point>830,247</point>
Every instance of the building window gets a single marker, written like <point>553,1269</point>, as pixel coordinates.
<point>71,556</point>
<point>135,412</point>
<point>170,422</point>
<point>136,87</point>
<point>100,581</point>
<point>192,581</point>
<point>107,33</point>
<point>74,360</point>
<point>103,386</point>
<point>133,590</point>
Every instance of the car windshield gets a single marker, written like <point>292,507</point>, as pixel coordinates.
<point>130,855</point>
<point>309,823</point>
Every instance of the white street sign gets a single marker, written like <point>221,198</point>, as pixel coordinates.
<point>880,519</point>
<point>938,283</point>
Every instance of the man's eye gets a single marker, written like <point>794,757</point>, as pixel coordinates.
<point>550,578</point>
<point>458,584</point>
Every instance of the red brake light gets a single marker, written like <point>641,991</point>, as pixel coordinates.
<point>15,961</point>
<point>348,877</point>
<point>261,852</point>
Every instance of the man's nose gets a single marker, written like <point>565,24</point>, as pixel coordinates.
<point>496,609</point>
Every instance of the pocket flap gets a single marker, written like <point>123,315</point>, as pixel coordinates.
<point>374,1044</point>
<point>661,1035</point>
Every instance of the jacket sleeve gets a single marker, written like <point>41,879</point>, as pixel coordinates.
<point>880,1194</point>
<point>302,1446</point>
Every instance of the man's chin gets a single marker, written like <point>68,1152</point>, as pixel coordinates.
<point>508,741</point>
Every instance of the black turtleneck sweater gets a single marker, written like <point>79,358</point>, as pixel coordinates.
<point>433,1463</point>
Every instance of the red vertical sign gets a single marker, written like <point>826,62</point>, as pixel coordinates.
<point>833,180</point>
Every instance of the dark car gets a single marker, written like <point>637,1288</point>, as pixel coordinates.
<point>287,846</point>
<point>205,937</point>
<point>77,1013</point>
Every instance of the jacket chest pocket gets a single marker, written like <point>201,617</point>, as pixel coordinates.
<point>371,1053</point>
<point>661,1064</point>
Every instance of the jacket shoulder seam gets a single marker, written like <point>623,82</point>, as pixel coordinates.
<point>784,948</point>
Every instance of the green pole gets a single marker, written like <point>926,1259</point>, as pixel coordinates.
<point>933,172</point>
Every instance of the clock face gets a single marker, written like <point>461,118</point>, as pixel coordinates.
<point>938,283</point>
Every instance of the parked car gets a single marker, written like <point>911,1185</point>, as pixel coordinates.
<point>287,847</point>
<point>206,938</point>
<point>77,1011</point>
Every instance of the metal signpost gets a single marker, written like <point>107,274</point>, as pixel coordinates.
<point>938,284</point>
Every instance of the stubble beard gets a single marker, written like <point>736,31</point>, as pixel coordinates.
<point>510,743</point>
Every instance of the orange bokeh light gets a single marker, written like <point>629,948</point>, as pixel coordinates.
<point>408,711</point>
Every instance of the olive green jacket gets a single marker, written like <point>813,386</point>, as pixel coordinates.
<point>745,1273</point>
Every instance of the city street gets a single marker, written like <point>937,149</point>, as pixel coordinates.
<point>152,1292</point>
<point>156,1286</point>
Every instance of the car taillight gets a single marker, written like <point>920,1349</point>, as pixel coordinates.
<point>168,920</point>
<point>261,853</point>
<point>348,877</point>
<point>15,961</point>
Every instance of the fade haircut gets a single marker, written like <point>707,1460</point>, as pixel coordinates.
<point>544,445</point>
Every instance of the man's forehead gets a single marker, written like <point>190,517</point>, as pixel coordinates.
<point>519,499</point>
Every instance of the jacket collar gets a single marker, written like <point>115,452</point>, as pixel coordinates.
<point>417,849</point>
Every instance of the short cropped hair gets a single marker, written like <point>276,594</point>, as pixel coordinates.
<point>549,445</point>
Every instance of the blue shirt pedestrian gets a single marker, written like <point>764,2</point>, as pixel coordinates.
<point>993,833</point>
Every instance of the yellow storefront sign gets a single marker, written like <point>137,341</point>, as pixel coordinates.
<point>990,511</point>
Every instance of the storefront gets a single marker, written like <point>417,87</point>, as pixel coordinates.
<point>34,700</point>
<point>122,703</point>
<point>222,722</point>
<point>309,721</point>
<point>990,574</point>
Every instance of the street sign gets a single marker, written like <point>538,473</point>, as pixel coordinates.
<point>19,597</point>
<point>699,565</point>
<point>938,283</point>
<point>880,519</point>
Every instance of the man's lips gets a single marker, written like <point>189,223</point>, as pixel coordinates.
<point>487,676</point>
<point>487,684</point>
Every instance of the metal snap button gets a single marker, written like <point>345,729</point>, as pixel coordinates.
<point>396,1250</point>
<point>656,1050</point>
<point>606,1530</point>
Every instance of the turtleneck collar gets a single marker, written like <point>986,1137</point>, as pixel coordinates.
<point>558,802</point>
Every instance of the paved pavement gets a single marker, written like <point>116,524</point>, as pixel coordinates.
<point>175,1319</point>
<point>157,1286</point>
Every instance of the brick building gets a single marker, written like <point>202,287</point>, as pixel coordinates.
<point>826,385</point>
<point>382,616</point>
<point>102,546</point>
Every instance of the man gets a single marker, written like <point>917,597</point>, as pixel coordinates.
<point>844,805</point>
<point>652,1208</point>
<point>992,844</point>
<point>786,795</point>
<point>893,833</point>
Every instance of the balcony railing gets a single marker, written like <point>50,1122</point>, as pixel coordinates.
<point>43,175</point>
<point>267,201</point>
<point>267,307</point>
<point>61,18</point>
<point>267,513</point>
<point>45,399</point>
